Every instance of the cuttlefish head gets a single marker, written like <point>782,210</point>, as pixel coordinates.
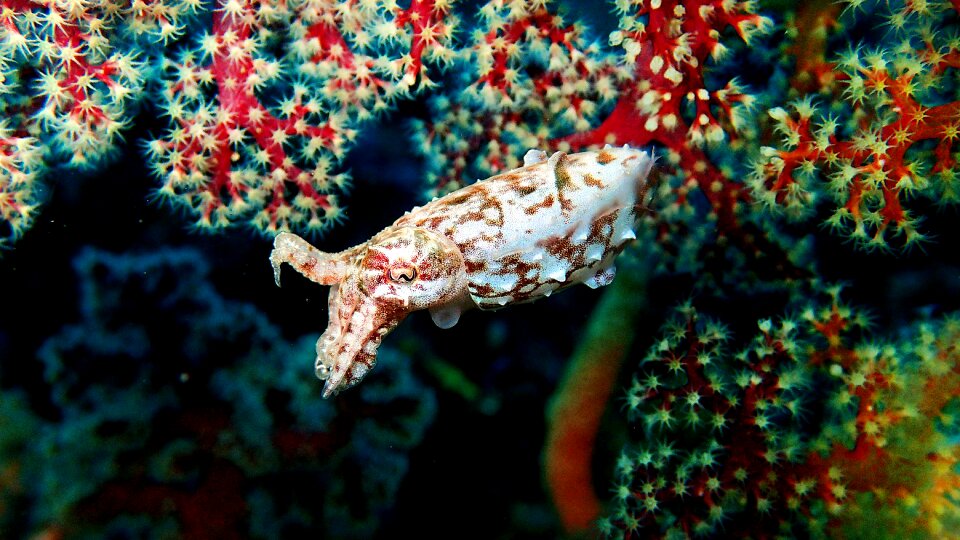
<point>374,286</point>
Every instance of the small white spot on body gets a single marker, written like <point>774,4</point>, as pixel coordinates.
<point>358,371</point>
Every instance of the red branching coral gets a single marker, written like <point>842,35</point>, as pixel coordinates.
<point>891,134</point>
<point>794,433</point>
<point>233,155</point>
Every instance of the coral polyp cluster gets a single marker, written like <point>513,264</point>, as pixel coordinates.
<point>886,133</point>
<point>265,104</point>
<point>793,432</point>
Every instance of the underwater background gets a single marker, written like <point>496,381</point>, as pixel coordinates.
<point>778,356</point>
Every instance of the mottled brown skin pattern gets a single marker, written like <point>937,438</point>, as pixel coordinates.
<point>511,238</point>
<point>526,186</point>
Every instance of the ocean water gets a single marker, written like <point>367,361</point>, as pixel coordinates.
<point>777,356</point>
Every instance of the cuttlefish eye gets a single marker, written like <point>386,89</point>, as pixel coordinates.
<point>415,268</point>
<point>404,274</point>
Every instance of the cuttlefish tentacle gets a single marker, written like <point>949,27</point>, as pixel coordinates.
<point>512,238</point>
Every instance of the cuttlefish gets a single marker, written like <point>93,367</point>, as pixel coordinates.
<point>511,238</point>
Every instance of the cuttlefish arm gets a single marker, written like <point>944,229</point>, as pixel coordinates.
<point>374,286</point>
<point>315,265</point>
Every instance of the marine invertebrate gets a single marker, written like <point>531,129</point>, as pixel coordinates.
<point>813,425</point>
<point>75,69</point>
<point>72,76</point>
<point>262,102</point>
<point>19,169</point>
<point>255,136</point>
<point>890,137</point>
<point>511,238</point>
<point>576,409</point>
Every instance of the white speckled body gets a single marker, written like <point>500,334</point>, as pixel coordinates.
<point>515,237</point>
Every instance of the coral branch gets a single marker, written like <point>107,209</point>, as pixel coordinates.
<point>582,397</point>
<point>876,156</point>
